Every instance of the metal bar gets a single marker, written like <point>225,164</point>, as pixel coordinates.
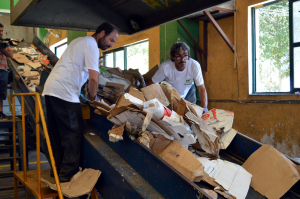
<point>38,99</point>
<point>219,29</point>
<point>15,148</point>
<point>187,32</point>
<point>222,9</point>
<point>8,100</point>
<point>24,138</point>
<point>38,145</point>
<point>201,16</point>
<point>25,94</point>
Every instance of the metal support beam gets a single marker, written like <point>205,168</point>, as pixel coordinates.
<point>219,29</point>
<point>223,9</point>
<point>202,16</point>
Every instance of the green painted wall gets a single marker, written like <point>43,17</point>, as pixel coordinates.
<point>172,32</point>
<point>168,36</point>
<point>42,33</point>
<point>193,28</point>
<point>74,34</point>
<point>5,4</point>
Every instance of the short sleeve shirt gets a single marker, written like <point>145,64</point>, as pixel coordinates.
<point>72,70</point>
<point>3,61</point>
<point>180,80</point>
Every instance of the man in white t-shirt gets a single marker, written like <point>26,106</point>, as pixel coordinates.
<point>79,62</point>
<point>181,71</point>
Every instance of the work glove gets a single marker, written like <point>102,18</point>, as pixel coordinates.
<point>205,110</point>
<point>97,99</point>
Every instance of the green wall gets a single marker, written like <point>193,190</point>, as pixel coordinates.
<point>42,33</point>
<point>172,32</point>
<point>71,34</point>
<point>5,4</point>
<point>193,28</point>
<point>168,36</point>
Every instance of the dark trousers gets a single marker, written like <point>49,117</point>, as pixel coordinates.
<point>191,95</point>
<point>65,127</point>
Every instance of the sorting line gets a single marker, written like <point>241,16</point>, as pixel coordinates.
<point>8,165</point>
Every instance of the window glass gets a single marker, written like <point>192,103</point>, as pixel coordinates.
<point>109,60</point>
<point>59,50</point>
<point>272,62</point>
<point>297,67</point>
<point>296,21</point>
<point>120,59</point>
<point>138,57</point>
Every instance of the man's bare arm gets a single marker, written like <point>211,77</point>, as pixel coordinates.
<point>203,95</point>
<point>93,83</point>
<point>7,52</point>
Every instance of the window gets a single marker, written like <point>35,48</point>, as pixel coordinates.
<point>59,48</point>
<point>276,47</point>
<point>135,56</point>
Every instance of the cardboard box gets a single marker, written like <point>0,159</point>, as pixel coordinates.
<point>154,91</point>
<point>81,183</point>
<point>178,157</point>
<point>273,174</point>
<point>231,178</point>
<point>148,76</point>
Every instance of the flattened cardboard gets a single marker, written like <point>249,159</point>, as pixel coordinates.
<point>81,183</point>
<point>119,87</point>
<point>34,65</point>
<point>21,59</point>
<point>136,93</point>
<point>116,133</point>
<point>155,91</point>
<point>272,173</point>
<point>179,157</point>
<point>226,139</point>
<point>148,76</point>
<point>104,106</point>
<point>181,109</point>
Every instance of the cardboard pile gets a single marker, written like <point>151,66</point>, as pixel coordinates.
<point>159,119</point>
<point>31,64</point>
<point>130,77</point>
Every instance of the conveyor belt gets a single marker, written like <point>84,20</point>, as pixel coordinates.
<point>154,177</point>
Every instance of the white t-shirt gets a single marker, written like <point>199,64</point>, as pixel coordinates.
<point>180,80</point>
<point>71,71</point>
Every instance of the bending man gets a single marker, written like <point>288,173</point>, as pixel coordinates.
<point>79,62</point>
<point>181,71</point>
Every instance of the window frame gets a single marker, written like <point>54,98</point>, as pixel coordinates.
<point>56,47</point>
<point>125,52</point>
<point>291,50</point>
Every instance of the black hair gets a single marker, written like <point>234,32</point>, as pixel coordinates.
<point>179,46</point>
<point>1,25</point>
<point>107,27</point>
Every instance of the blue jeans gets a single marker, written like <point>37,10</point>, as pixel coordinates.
<point>191,95</point>
<point>3,84</point>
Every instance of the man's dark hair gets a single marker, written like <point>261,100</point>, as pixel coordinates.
<point>179,46</point>
<point>1,25</point>
<point>107,27</point>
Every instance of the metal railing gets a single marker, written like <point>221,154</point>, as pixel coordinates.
<point>39,113</point>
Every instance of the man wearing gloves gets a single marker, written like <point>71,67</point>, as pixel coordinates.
<point>79,62</point>
<point>181,71</point>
